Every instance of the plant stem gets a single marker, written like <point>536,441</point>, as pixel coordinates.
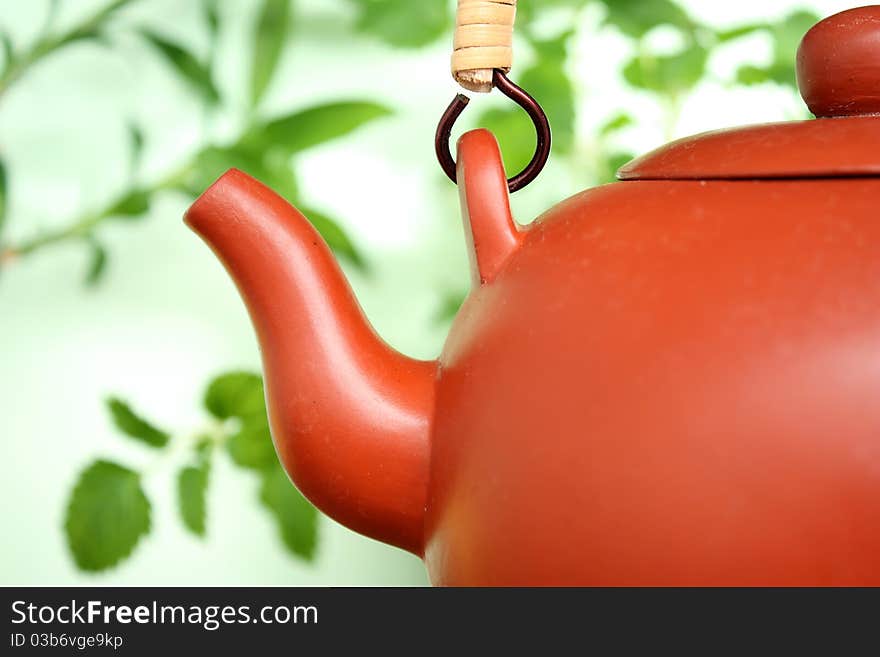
<point>83,226</point>
<point>79,228</point>
<point>47,44</point>
<point>182,447</point>
<point>672,112</point>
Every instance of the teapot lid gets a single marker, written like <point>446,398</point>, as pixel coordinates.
<point>838,72</point>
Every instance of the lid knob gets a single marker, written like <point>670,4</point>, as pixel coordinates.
<point>838,64</point>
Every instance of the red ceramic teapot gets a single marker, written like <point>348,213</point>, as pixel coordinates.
<point>669,380</point>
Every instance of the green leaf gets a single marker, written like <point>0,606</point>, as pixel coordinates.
<point>787,35</point>
<point>235,394</point>
<point>449,306</point>
<point>635,18</point>
<point>750,75</point>
<point>107,515</point>
<point>86,33</point>
<point>617,160</point>
<point>212,162</point>
<point>97,263</point>
<point>515,134</point>
<point>93,29</point>
<point>133,205</point>
<point>186,65</point>
<point>3,194</point>
<point>782,74</point>
<point>554,49</point>
<point>211,11</point>
<point>8,51</point>
<point>336,237</point>
<point>668,74</point>
<point>275,172</point>
<point>740,31</point>
<point>204,447</point>
<point>240,395</point>
<point>271,34</point>
<point>136,141</point>
<point>192,486</point>
<point>549,84</point>
<point>404,23</point>
<point>134,426</point>
<point>307,128</point>
<point>252,446</point>
<point>617,122</point>
<point>297,519</point>
<point>612,163</point>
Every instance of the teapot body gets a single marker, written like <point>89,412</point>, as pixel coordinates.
<point>668,382</point>
<point>672,380</point>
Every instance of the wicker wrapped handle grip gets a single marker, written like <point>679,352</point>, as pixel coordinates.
<point>483,41</point>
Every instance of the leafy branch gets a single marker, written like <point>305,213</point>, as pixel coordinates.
<point>265,149</point>
<point>132,203</point>
<point>109,512</point>
<point>17,64</point>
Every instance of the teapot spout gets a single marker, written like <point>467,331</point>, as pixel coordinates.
<point>350,416</point>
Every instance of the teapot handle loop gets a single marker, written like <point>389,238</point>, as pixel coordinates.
<point>521,98</point>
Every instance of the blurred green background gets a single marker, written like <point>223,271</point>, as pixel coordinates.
<point>133,451</point>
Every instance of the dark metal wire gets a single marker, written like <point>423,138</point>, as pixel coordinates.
<point>521,98</point>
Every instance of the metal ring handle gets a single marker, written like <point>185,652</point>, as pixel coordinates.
<point>521,98</point>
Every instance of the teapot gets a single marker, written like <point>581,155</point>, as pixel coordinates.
<point>673,379</point>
